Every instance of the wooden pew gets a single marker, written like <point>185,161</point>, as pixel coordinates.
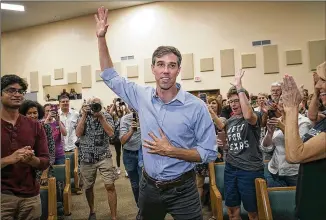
<point>49,199</point>
<point>275,202</point>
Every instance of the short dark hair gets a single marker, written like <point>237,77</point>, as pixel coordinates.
<point>63,97</point>
<point>46,105</point>
<point>27,104</point>
<point>7,80</point>
<point>163,50</point>
<point>233,91</point>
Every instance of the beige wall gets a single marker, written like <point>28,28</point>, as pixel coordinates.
<point>199,28</point>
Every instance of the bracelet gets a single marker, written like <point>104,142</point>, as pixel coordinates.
<point>241,90</point>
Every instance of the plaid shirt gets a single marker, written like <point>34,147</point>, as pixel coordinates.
<point>94,143</point>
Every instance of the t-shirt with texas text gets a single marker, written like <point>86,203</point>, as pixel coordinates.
<point>243,138</point>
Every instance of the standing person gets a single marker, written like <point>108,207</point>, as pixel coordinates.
<point>52,118</point>
<point>201,169</point>
<point>94,129</point>
<point>309,151</point>
<point>131,142</point>
<point>244,161</point>
<point>35,111</point>
<point>176,128</point>
<point>117,114</point>
<point>23,151</point>
<point>281,173</point>
<point>68,117</point>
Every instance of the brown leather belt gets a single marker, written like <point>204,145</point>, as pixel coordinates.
<point>169,183</point>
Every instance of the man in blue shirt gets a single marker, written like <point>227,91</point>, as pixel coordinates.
<point>177,131</point>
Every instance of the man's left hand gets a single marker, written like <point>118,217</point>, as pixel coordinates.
<point>160,146</point>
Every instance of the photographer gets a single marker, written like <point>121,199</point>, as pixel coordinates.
<point>52,118</point>
<point>94,128</point>
<point>131,140</point>
<point>117,111</point>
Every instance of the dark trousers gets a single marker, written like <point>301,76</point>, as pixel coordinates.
<point>130,160</point>
<point>182,202</point>
<point>117,147</point>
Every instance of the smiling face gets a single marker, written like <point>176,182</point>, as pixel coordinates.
<point>12,96</point>
<point>32,113</point>
<point>276,92</point>
<point>166,71</point>
<point>234,102</point>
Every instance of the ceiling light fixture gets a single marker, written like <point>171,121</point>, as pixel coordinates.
<point>12,7</point>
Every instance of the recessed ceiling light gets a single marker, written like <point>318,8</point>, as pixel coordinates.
<point>12,7</point>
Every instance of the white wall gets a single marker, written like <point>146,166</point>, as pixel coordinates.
<point>201,28</point>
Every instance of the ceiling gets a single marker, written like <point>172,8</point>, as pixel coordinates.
<point>37,13</point>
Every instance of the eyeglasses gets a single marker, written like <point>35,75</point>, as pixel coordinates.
<point>234,101</point>
<point>13,91</point>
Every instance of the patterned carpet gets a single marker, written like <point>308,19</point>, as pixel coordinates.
<point>127,209</point>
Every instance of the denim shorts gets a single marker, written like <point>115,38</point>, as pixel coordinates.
<point>239,185</point>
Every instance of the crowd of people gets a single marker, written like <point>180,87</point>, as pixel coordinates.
<point>166,138</point>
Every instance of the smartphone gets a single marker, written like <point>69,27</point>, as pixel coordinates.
<point>54,110</point>
<point>134,116</point>
<point>203,96</point>
<point>271,114</point>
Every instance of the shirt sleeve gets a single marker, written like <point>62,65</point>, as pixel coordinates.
<point>109,120</point>
<point>127,91</point>
<point>205,136</point>
<point>124,128</point>
<point>41,148</point>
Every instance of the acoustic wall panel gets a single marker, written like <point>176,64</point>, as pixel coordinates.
<point>206,64</point>
<point>132,71</point>
<point>72,78</point>
<point>227,62</point>
<point>187,66</point>
<point>248,61</point>
<point>148,74</point>
<point>271,64</point>
<point>86,76</point>
<point>46,80</point>
<point>58,73</point>
<point>317,53</point>
<point>34,82</point>
<point>293,57</point>
<point>98,75</point>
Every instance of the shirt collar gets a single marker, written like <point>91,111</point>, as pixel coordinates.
<point>181,95</point>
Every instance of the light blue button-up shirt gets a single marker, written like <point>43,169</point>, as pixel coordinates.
<point>185,121</point>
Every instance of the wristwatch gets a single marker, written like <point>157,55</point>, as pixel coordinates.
<point>241,90</point>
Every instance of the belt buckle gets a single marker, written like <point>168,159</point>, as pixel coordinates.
<point>157,183</point>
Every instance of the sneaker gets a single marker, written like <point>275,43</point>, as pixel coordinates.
<point>126,174</point>
<point>118,171</point>
<point>92,216</point>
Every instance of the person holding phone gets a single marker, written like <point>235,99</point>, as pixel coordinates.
<point>130,137</point>
<point>52,118</point>
<point>280,172</point>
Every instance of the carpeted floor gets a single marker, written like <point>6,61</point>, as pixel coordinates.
<point>127,209</point>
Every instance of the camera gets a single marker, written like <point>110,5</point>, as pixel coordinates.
<point>134,117</point>
<point>95,107</point>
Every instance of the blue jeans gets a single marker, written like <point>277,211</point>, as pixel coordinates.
<point>60,160</point>
<point>240,186</point>
<point>130,160</point>
<point>274,180</point>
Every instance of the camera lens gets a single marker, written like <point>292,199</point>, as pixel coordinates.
<point>96,107</point>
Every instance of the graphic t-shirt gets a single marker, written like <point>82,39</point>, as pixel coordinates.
<point>244,144</point>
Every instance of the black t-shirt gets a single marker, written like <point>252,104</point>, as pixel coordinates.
<point>311,192</point>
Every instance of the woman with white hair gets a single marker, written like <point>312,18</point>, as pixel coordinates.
<point>310,151</point>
